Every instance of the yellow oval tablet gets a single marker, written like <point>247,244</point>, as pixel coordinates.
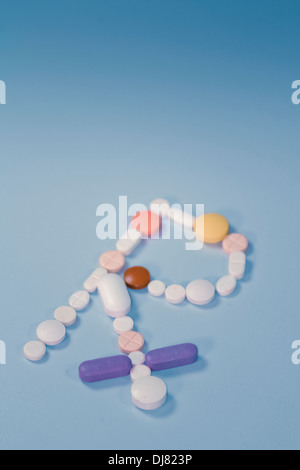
<point>211,228</point>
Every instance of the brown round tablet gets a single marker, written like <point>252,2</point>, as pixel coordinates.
<point>137,277</point>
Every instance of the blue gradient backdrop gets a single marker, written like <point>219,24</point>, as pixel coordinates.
<point>188,100</point>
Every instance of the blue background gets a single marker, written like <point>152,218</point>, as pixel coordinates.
<point>188,100</point>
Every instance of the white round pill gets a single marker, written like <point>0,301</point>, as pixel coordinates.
<point>149,393</point>
<point>200,292</point>
<point>66,315</point>
<point>137,358</point>
<point>51,332</point>
<point>34,350</point>
<point>156,288</point>
<point>122,324</point>
<point>79,300</point>
<point>160,206</point>
<point>226,285</point>
<point>138,372</point>
<point>175,294</point>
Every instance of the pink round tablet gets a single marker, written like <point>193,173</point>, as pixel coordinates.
<point>113,261</point>
<point>235,242</point>
<point>131,341</point>
<point>146,222</point>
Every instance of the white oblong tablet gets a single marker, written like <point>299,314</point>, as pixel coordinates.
<point>51,332</point>
<point>129,241</point>
<point>122,324</point>
<point>156,288</point>
<point>226,285</point>
<point>91,283</point>
<point>237,264</point>
<point>34,350</point>
<point>79,300</point>
<point>149,393</point>
<point>137,358</point>
<point>160,206</point>
<point>140,371</point>
<point>183,218</point>
<point>66,315</point>
<point>114,294</point>
<point>200,292</point>
<point>175,294</point>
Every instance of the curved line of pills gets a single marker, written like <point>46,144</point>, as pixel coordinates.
<point>148,392</point>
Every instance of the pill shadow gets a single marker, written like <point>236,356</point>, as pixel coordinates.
<point>248,271</point>
<point>107,384</point>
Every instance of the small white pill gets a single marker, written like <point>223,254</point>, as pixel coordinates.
<point>129,241</point>
<point>66,315</point>
<point>137,358</point>
<point>160,206</point>
<point>180,217</point>
<point>34,350</point>
<point>156,288</point>
<point>79,300</point>
<point>200,292</point>
<point>226,285</point>
<point>114,294</point>
<point>237,264</point>
<point>123,324</point>
<point>175,294</point>
<point>138,372</point>
<point>51,332</point>
<point>91,283</point>
<point>149,393</point>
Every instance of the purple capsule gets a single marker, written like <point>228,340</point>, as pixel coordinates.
<point>105,368</point>
<point>172,356</point>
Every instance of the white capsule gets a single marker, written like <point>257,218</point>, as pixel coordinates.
<point>91,283</point>
<point>237,264</point>
<point>114,294</point>
<point>160,206</point>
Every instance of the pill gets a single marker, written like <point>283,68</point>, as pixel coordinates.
<point>137,358</point>
<point>146,222</point>
<point>138,372</point>
<point>130,341</point>
<point>211,228</point>
<point>129,242</point>
<point>237,264</point>
<point>113,261</point>
<point>66,315</point>
<point>91,283</point>
<point>34,350</point>
<point>160,206</point>
<point>105,368</point>
<point>235,242</point>
<point>200,292</point>
<point>226,285</point>
<point>156,288</point>
<point>175,294</point>
<point>51,332</point>
<point>137,277</point>
<point>114,294</point>
<point>183,218</point>
<point>79,300</point>
<point>123,324</point>
<point>149,393</point>
<point>172,356</point>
